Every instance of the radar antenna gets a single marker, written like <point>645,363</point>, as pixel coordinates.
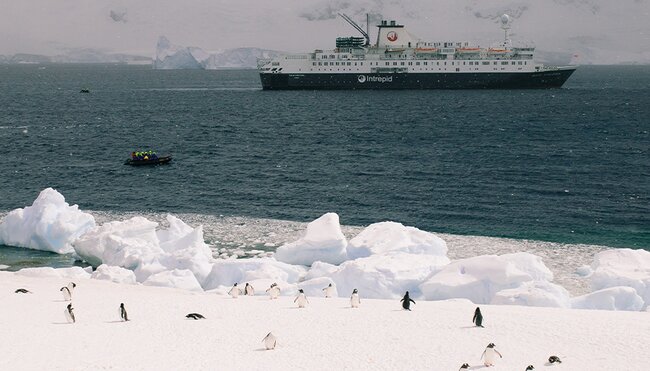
<point>505,26</point>
<point>356,26</point>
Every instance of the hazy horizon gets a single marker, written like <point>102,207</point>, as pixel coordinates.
<point>599,30</point>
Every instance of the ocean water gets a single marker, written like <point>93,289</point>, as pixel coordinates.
<point>564,167</point>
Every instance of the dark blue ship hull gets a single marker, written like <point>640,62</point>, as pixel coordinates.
<point>544,79</point>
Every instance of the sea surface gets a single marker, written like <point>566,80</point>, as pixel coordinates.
<point>566,167</point>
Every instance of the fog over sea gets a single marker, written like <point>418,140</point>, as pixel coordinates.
<point>561,173</point>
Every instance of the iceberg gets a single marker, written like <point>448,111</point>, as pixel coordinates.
<point>114,274</point>
<point>49,224</point>
<point>323,241</point>
<point>612,298</point>
<point>177,278</point>
<point>384,237</point>
<point>622,267</point>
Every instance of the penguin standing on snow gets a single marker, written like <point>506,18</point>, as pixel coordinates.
<point>249,290</point>
<point>274,291</point>
<point>235,291</point>
<point>478,317</point>
<point>490,355</point>
<point>530,368</point>
<point>329,291</point>
<point>301,299</point>
<point>123,314</point>
<point>406,301</point>
<point>354,299</point>
<point>554,359</point>
<point>464,366</point>
<point>67,294</point>
<point>69,314</point>
<point>270,341</point>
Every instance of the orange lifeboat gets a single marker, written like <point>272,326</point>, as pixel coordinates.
<point>426,50</point>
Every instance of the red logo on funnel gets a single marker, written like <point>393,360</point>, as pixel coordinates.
<point>392,36</point>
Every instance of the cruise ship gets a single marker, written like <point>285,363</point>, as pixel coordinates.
<point>399,60</point>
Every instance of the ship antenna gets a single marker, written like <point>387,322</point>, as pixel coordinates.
<point>505,26</point>
<point>356,26</point>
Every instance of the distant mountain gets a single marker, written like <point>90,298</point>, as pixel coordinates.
<point>169,56</point>
<point>84,55</point>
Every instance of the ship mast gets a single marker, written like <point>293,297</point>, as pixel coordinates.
<point>356,26</point>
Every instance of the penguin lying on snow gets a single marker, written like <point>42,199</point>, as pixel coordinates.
<point>69,314</point>
<point>123,314</point>
<point>195,316</point>
<point>22,291</point>
<point>270,341</point>
<point>490,354</point>
<point>554,359</point>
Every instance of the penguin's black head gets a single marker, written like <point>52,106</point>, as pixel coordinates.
<point>247,284</point>
<point>330,285</point>
<point>235,284</point>
<point>70,306</point>
<point>465,365</point>
<point>73,284</point>
<point>354,291</point>
<point>530,368</point>
<point>407,294</point>
<point>121,305</point>
<point>301,291</point>
<point>491,345</point>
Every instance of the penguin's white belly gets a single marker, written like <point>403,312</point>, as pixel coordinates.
<point>354,301</point>
<point>490,357</point>
<point>301,301</point>
<point>68,316</point>
<point>66,295</point>
<point>269,342</point>
<point>274,292</point>
<point>329,292</point>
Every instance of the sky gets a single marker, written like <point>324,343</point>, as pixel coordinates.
<point>603,30</point>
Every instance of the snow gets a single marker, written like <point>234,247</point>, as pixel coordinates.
<point>326,335</point>
<point>323,241</point>
<point>49,224</point>
<point>114,274</point>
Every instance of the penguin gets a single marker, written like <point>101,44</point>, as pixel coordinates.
<point>123,314</point>
<point>301,299</point>
<point>274,291</point>
<point>465,366</point>
<point>554,359</point>
<point>71,286</point>
<point>329,291</point>
<point>270,341</point>
<point>530,368</point>
<point>67,295</point>
<point>69,314</point>
<point>478,317</point>
<point>354,299</point>
<point>195,316</point>
<point>234,291</point>
<point>406,301</point>
<point>22,291</point>
<point>249,290</point>
<point>490,354</point>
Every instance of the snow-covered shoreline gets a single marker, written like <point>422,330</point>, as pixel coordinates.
<point>326,335</point>
<point>382,260</point>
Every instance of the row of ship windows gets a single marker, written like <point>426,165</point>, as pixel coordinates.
<point>471,63</point>
<point>421,69</point>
